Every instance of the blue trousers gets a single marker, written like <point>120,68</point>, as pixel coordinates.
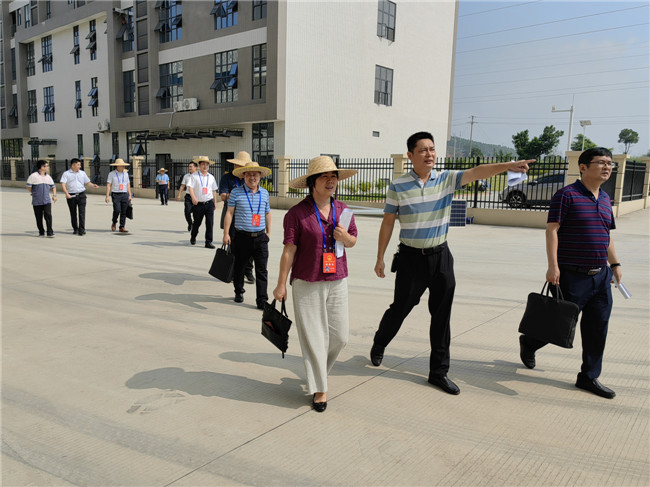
<point>163,190</point>
<point>593,295</point>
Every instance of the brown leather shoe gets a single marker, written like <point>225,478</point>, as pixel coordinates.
<point>123,230</point>
<point>113,227</point>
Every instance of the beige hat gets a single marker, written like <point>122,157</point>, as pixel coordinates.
<point>242,158</point>
<point>320,165</point>
<point>162,169</point>
<point>200,159</point>
<point>119,162</point>
<point>251,167</point>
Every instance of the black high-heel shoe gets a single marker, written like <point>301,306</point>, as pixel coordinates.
<point>319,407</point>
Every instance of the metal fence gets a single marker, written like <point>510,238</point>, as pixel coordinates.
<point>633,181</point>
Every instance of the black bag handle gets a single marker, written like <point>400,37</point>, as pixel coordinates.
<point>283,308</point>
<point>558,291</point>
<point>226,248</point>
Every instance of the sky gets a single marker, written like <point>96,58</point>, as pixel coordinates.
<point>516,60</point>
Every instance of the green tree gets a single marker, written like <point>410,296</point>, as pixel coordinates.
<point>628,137</point>
<point>577,143</point>
<point>476,152</point>
<point>538,146</point>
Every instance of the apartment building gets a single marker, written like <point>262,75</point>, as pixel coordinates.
<point>168,79</point>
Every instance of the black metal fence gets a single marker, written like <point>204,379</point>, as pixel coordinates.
<point>633,181</point>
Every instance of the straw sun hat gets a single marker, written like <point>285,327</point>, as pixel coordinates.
<point>320,165</point>
<point>119,162</point>
<point>242,158</point>
<point>200,159</point>
<point>251,166</point>
<point>162,170</point>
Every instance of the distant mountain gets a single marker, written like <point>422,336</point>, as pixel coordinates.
<point>488,150</point>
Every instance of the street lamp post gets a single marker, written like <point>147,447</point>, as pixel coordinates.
<point>583,124</point>
<point>568,145</point>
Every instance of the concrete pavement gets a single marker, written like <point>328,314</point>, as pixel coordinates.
<point>125,363</point>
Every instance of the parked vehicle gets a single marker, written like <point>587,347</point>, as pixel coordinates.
<point>537,192</point>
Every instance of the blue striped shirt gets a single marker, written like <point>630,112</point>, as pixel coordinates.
<point>243,213</point>
<point>585,222</point>
<point>423,210</point>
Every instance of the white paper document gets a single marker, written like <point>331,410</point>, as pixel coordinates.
<point>516,177</point>
<point>344,220</point>
<point>621,287</point>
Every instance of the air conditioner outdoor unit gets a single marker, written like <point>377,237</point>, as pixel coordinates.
<point>190,104</point>
<point>178,106</point>
<point>104,126</point>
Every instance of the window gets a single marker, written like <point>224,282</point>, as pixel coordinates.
<point>92,40</point>
<point>75,44</point>
<point>128,81</point>
<point>46,51</point>
<point>141,8</point>
<point>259,71</point>
<point>96,144</point>
<point>126,32</point>
<point>143,38</point>
<point>94,96</point>
<point>143,100</point>
<point>48,103</point>
<point>34,8</point>
<point>171,84</point>
<point>225,77</point>
<point>225,13</point>
<point>77,95</point>
<point>13,64</point>
<point>14,109</point>
<point>32,110</point>
<point>30,59</point>
<point>386,20</point>
<point>115,143</point>
<point>259,9</point>
<point>263,143</point>
<point>143,68</point>
<point>80,146</point>
<point>383,86</point>
<point>28,17</point>
<point>48,9</point>
<point>170,20</point>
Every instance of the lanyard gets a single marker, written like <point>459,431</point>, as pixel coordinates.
<point>207,180</point>
<point>259,205</point>
<point>123,176</point>
<point>321,223</point>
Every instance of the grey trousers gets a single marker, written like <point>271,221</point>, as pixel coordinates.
<point>321,316</point>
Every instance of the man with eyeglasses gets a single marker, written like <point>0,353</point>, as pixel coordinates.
<point>39,184</point>
<point>578,249</point>
<point>73,183</point>
<point>421,200</point>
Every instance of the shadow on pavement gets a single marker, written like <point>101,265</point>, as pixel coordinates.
<point>175,278</point>
<point>190,300</point>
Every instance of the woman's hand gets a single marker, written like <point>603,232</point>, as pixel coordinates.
<point>280,292</point>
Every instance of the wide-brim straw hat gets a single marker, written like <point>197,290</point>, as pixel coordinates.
<point>242,158</point>
<point>119,162</point>
<point>162,169</point>
<point>251,167</point>
<point>320,165</point>
<point>200,159</point>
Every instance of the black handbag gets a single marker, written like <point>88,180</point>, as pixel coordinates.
<point>276,325</point>
<point>129,211</point>
<point>550,318</point>
<point>223,264</point>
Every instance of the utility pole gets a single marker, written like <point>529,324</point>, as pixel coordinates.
<point>471,131</point>
<point>568,145</point>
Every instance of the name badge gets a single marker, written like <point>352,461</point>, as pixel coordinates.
<point>205,190</point>
<point>256,220</point>
<point>329,263</point>
<point>121,187</point>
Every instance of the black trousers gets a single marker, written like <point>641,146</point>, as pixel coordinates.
<point>163,190</point>
<point>40,212</point>
<point>77,204</point>
<point>203,210</point>
<point>415,274</point>
<point>244,247</point>
<point>187,203</point>
<point>120,203</point>
<point>593,295</point>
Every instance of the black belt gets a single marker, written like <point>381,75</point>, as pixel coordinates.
<point>251,234</point>
<point>204,202</point>
<point>428,251</point>
<point>590,271</point>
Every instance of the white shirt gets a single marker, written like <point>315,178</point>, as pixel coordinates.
<point>198,182</point>
<point>115,179</point>
<point>75,182</point>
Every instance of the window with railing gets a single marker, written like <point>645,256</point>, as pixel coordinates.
<point>386,19</point>
<point>48,103</point>
<point>46,54</point>
<point>170,20</point>
<point>225,77</point>
<point>75,44</point>
<point>259,9</point>
<point>128,81</point>
<point>77,94</point>
<point>171,84</point>
<point>32,108</point>
<point>30,59</point>
<point>383,85</point>
<point>259,71</point>
<point>92,40</point>
<point>225,13</point>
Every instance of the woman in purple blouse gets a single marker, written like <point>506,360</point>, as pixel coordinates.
<point>318,276</point>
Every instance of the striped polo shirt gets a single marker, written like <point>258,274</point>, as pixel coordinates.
<point>423,209</point>
<point>247,203</point>
<point>585,222</point>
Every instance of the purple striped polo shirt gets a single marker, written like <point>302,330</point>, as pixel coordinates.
<point>585,222</point>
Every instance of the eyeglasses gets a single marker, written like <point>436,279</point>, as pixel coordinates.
<point>604,163</point>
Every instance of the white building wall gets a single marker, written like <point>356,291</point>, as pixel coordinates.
<point>332,50</point>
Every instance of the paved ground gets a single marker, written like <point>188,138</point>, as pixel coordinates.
<point>125,363</point>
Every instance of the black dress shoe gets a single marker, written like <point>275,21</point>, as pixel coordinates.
<point>319,407</point>
<point>192,240</point>
<point>250,279</point>
<point>592,385</point>
<point>444,383</point>
<point>376,354</point>
<point>208,245</point>
<point>526,355</point>
<point>75,232</point>
<point>239,298</point>
<point>82,233</point>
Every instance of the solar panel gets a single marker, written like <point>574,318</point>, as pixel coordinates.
<point>458,213</point>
